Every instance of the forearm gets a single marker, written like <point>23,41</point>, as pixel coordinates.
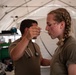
<point>18,50</point>
<point>72,69</point>
<point>45,62</point>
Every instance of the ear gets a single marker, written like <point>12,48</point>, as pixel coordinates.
<point>62,25</point>
<point>26,29</point>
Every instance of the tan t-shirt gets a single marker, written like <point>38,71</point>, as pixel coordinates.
<point>26,65</point>
<point>64,56</point>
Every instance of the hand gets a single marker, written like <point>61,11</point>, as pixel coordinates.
<point>32,32</point>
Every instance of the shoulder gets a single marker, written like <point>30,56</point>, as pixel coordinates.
<point>69,47</point>
<point>14,43</point>
<point>70,51</point>
<point>70,43</point>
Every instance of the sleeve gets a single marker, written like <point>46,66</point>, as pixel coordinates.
<point>12,45</point>
<point>71,54</point>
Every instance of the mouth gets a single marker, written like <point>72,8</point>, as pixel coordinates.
<point>35,38</point>
<point>48,32</point>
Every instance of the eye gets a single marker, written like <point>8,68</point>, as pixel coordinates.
<point>49,25</point>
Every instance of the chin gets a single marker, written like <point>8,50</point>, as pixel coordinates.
<point>52,37</point>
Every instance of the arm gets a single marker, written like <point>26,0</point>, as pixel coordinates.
<point>71,58</point>
<point>72,69</point>
<point>17,51</point>
<point>45,62</point>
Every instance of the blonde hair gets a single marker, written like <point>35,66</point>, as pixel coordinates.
<point>61,14</point>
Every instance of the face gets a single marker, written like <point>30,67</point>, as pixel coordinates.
<point>55,29</point>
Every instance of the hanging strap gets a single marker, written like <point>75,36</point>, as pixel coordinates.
<point>45,47</point>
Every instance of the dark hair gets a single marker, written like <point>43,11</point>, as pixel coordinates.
<point>61,14</point>
<point>27,23</point>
